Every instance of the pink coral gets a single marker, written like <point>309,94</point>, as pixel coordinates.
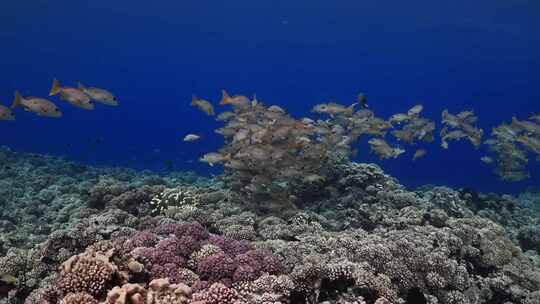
<point>216,294</point>
<point>183,246</point>
<point>245,273</point>
<point>216,267</point>
<point>141,239</point>
<point>159,257</point>
<point>265,261</point>
<point>167,229</point>
<point>195,230</point>
<point>230,246</point>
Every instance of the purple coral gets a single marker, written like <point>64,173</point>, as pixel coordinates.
<point>216,267</point>
<point>245,273</point>
<point>141,239</point>
<point>200,286</point>
<point>217,294</point>
<point>195,230</point>
<point>159,257</point>
<point>168,270</point>
<point>167,229</point>
<point>189,245</point>
<point>230,246</point>
<point>183,246</point>
<point>265,261</point>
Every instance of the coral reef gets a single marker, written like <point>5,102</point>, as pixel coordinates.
<point>130,237</point>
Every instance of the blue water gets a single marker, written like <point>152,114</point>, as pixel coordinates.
<point>481,55</point>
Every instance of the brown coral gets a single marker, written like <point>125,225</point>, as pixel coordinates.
<point>86,273</point>
<point>78,298</point>
<point>127,294</point>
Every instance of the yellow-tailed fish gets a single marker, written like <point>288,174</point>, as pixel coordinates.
<point>74,96</point>
<point>100,95</point>
<point>40,106</point>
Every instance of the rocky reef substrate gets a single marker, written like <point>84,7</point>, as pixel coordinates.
<point>73,234</point>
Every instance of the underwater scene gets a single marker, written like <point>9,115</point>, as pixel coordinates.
<point>270,152</point>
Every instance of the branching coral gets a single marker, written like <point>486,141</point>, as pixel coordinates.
<point>175,198</point>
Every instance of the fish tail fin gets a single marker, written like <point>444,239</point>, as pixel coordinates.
<point>56,88</point>
<point>81,86</point>
<point>225,99</point>
<point>194,100</point>
<point>17,101</point>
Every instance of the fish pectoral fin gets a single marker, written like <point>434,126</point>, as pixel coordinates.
<point>63,95</point>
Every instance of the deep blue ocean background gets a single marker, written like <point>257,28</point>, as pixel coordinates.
<point>481,55</point>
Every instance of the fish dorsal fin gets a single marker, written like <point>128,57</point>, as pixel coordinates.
<point>81,86</point>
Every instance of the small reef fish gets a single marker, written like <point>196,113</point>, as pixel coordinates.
<point>450,119</point>
<point>467,117</point>
<point>39,106</point>
<point>525,125</point>
<point>6,114</point>
<point>383,149</point>
<point>398,118</point>
<point>414,111</point>
<point>203,105</point>
<point>74,96</point>
<point>276,109</point>
<point>487,159</point>
<point>8,279</point>
<point>362,100</point>
<point>461,126</point>
<point>238,101</point>
<point>530,143</point>
<point>214,158</point>
<point>333,108</point>
<point>506,132</point>
<point>419,154</point>
<point>225,116</point>
<point>99,95</point>
<point>191,137</point>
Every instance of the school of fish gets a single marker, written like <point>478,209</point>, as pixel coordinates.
<point>264,143</point>
<point>81,97</point>
<point>260,138</point>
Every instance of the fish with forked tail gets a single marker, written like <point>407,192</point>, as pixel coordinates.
<point>238,101</point>
<point>203,105</point>
<point>74,96</point>
<point>40,106</point>
<point>100,95</point>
